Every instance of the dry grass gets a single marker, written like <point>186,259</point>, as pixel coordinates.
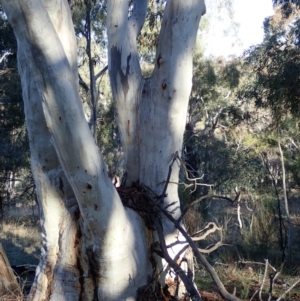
<point>21,240</point>
<point>245,281</point>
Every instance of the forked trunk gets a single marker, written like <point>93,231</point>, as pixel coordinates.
<point>94,248</point>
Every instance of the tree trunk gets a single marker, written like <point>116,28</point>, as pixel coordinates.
<point>9,287</point>
<point>285,199</point>
<point>94,248</point>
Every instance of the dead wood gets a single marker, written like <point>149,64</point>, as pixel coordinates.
<point>9,286</point>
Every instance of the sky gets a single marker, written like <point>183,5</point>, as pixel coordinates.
<point>249,14</point>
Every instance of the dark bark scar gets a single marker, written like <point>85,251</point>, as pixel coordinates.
<point>128,127</point>
<point>159,61</point>
<point>116,63</point>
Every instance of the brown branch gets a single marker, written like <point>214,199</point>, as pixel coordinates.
<point>222,290</point>
<point>263,281</point>
<point>83,84</point>
<point>185,210</point>
<point>188,282</point>
<point>210,228</point>
<point>163,194</point>
<point>177,223</point>
<point>212,248</point>
<point>287,291</point>
<point>102,72</point>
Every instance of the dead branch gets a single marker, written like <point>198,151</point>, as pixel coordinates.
<point>163,194</point>
<point>212,248</point>
<point>273,278</point>
<point>151,206</point>
<point>188,281</point>
<point>185,210</point>
<point>263,281</point>
<point>101,73</point>
<point>224,293</point>
<point>177,223</point>
<point>222,290</point>
<point>256,263</point>
<point>4,56</point>
<point>193,180</point>
<point>287,291</point>
<point>9,285</point>
<point>82,83</point>
<point>210,228</point>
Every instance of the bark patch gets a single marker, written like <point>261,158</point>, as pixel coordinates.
<point>159,61</point>
<point>116,69</point>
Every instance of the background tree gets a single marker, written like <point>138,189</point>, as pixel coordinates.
<point>14,163</point>
<point>276,66</point>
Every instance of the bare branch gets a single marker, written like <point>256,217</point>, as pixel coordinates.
<point>6,70</point>
<point>188,282</point>
<point>287,291</point>
<point>212,248</point>
<point>4,56</point>
<point>163,194</point>
<point>102,72</point>
<point>193,180</point>
<point>185,210</point>
<point>210,228</point>
<point>83,84</point>
<point>263,281</point>
<point>1,60</point>
<point>256,263</point>
<point>223,292</point>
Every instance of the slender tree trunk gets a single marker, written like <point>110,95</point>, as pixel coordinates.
<point>93,93</point>
<point>285,199</point>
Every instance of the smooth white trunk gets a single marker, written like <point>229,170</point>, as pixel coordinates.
<point>93,247</point>
<point>152,111</point>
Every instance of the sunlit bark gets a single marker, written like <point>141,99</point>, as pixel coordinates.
<point>93,247</point>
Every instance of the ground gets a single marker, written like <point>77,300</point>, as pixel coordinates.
<point>20,238</point>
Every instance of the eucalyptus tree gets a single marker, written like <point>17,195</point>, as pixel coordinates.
<point>275,63</point>
<point>93,246</point>
<point>14,146</point>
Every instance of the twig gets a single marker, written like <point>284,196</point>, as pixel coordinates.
<point>188,283</point>
<point>222,290</point>
<point>4,56</point>
<point>210,228</point>
<point>163,194</point>
<point>263,281</point>
<point>254,295</point>
<point>256,263</point>
<point>212,247</point>
<point>287,291</point>
<point>185,210</point>
<point>273,277</point>
<point>101,72</point>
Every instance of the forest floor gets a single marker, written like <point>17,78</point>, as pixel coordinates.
<point>21,239</point>
<point>247,282</point>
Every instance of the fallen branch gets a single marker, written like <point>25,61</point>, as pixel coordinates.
<point>151,206</point>
<point>210,228</point>
<point>222,290</point>
<point>263,281</point>
<point>4,56</point>
<point>287,291</point>
<point>188,281</point>
<point>185,210</point>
